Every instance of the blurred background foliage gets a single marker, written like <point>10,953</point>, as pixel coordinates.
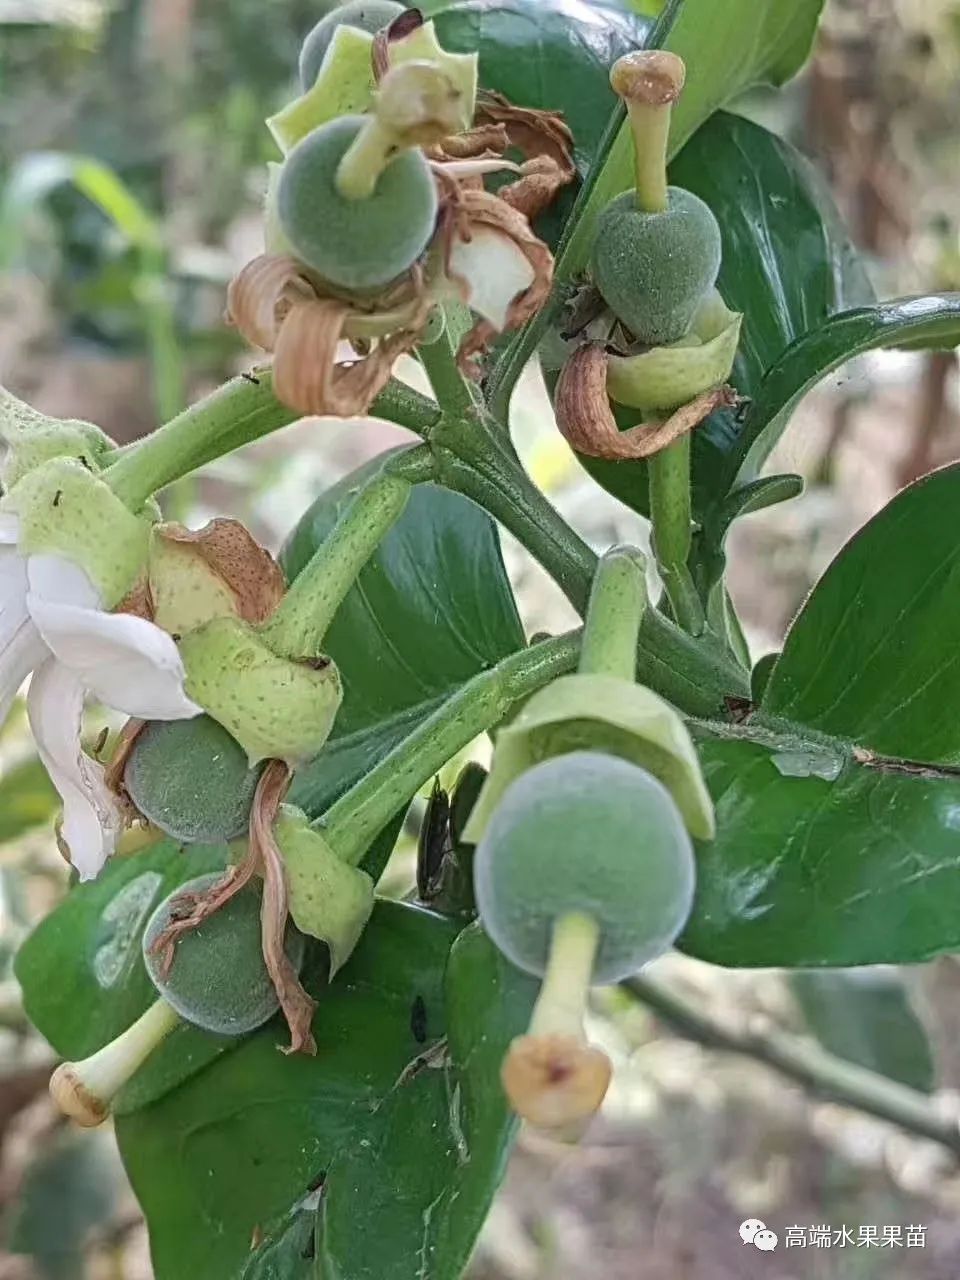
<point>132,149</point>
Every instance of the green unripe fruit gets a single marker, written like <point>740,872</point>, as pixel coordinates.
<point>366,15</point>
<point>589,834</point>
<point>354,244</point>
<point>218,980</point>
<point>655,269</point>
<point>191,779</point>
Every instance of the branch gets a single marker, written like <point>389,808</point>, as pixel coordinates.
<point>820,1073</point>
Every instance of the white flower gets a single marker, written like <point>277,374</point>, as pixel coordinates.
<point>52,623</point>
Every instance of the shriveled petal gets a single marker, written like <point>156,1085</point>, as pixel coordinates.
<point>127,663</point>
<point>92,820</point>
<point>495,271</point>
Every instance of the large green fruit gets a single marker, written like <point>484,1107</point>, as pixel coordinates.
<point>354,244</point>
<point>655,269</point>
<point>218,980</point>
<point>191,779</point>
<point>587,833</point>
<point>366,15</point>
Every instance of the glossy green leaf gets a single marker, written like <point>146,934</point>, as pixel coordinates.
<point>865,1016</point>
<point>787,266</point>
<point>932,321</point>
<point>835,846</point>
<point>82,973</point>
<point>408,1154</point>
<point>431,609</point>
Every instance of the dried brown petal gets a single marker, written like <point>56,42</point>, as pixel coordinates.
<point>534,132</point>
<point>476,209</point>
<point>298,1007</point>
<point>403,25</point>
<point>190,909</point>
<point>228,548</point>
<point>113,773</point>
<point>138,601</point>
<point>586,420</point>
<point>261,294</point>
<point>479,143</point>
<point>536,188</point>
<point>305,373</point>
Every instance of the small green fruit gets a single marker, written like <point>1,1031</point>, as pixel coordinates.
<point>218,980</point>
<point>589,834</point>
<point>655,269</point>
<point>354,244</point>
<point>191,779</point>
<point>366,15</point>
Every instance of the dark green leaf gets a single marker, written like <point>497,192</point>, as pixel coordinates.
<point>834,847</point>
<point>431,609</point>
<point>240,1145</point>
<point>919,322</point>
<point>865,1016</point>
<point>27,798</point>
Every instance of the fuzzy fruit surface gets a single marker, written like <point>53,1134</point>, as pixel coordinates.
<point>191,779</point>
<point>591,834</point>
<point>366,15</point>
<point>218,980</point>
<point>354,244</point>
<point>654,269</point>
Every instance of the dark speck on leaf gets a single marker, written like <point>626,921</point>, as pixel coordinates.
<point>56,497</point>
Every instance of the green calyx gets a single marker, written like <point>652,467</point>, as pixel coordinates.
<point>275,707</point>
<point>329,899</point>
<point>33,438</point>
<point>599,713</point>
<point>218,980</point>
<point>344,82</point>
<point>592,836</point>
<point>65,510</point>
<point>655,269</point>
<point>663,379</point>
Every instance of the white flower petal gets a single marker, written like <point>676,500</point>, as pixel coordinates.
<point>21,648</point>
<point>9,529</point>
<point>92,821</point>
<point>496,271</point>
<point>56,580</point>
<point>127,663</point>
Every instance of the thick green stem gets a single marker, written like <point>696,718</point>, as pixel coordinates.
<point>671,516</point>
<point>562,1002</point>
<point>452,390</point>
<point>298,625</point>
<point>356,819</point>
<point>692,673</point>
<point>618,601</point>
<point>242,410</point>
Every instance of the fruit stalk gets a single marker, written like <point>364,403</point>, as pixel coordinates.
<point>618,601</point>
<point>85,1090</point>
<point>298,625</point>
<point>552,1077</point>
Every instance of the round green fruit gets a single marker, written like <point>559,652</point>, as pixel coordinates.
<point>191,779</point>
<point>366,15</point>
<point>655,269</point>
<point>218,980</point>
<point>591,834</point>
<point>354,244</point>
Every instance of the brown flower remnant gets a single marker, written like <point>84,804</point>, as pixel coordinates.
<point>472,214</point>
<point>279,305</point>
<point>586,420</point>
<point>251,578</point>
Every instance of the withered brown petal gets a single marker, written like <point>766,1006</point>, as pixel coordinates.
<point>231,551</point>
<point>585,417</point>
<point>260,295</point>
